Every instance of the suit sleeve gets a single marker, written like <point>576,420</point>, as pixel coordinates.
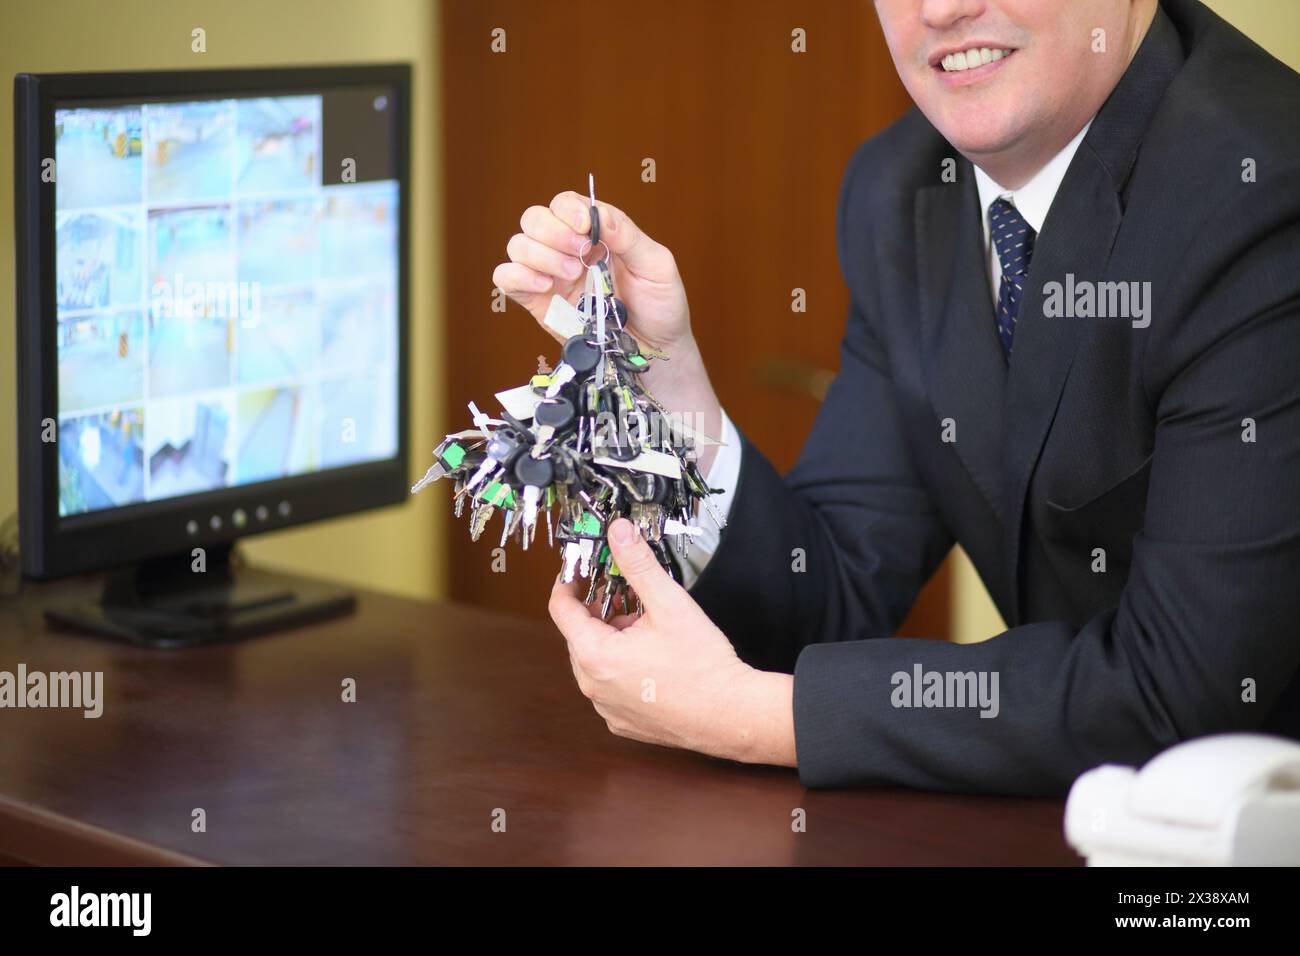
<point>1204,639</point>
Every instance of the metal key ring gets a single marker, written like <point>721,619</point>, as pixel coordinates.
<point>586,246</point>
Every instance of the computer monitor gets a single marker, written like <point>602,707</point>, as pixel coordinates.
<point>212,326</point>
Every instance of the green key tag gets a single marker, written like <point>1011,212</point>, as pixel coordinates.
<point>499,495</point>
<point>588,525</point>
<point>453,455</point>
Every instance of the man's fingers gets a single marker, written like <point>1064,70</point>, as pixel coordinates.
<point>571,208</point>
<point>583,632</point>
<point>517,280</point>
<point>638,564</point>
<point>542,224</point>
<point>542,258</point>
<point>640,254</point>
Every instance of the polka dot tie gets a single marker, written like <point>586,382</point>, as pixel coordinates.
<point>1014,240</point>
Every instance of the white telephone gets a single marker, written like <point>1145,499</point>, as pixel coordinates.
<point>1223,800</point>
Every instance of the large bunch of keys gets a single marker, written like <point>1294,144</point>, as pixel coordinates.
<point>582,444</point>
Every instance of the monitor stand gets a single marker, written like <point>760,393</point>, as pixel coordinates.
<point>166,603</point>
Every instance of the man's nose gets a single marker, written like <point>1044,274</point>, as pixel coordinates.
<point>942,14</point>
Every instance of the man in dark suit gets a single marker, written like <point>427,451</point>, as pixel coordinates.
<point>1074,348</point>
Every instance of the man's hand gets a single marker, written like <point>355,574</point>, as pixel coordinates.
<point>544,262</point>
<point>670,677</point>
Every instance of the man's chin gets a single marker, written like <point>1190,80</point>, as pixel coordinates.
<point>976,140</point>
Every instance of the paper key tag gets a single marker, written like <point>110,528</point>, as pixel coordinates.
<point>520,402</point>
<point>564,319</point>
<point>596,298</point>
<point>656,462</point>
<point>698,437</point>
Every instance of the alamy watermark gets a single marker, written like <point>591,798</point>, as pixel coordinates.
<point>922,688</point>
<point>182,299</point>
<point>81,690</point>
<point>672,429</point>
<point>75,908</point>
<point>1098,300</point>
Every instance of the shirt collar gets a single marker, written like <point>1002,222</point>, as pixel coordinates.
<point>1034,198</point>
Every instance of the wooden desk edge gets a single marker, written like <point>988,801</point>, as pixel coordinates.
<point>37,836</point>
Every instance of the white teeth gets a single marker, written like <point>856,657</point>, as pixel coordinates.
<point>969,59</point>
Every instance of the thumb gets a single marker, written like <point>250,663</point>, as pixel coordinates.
<point>640,254</point>
<point>638,564</point>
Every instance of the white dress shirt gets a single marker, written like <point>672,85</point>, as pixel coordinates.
<point>1032,201</point>
<point>723,474</point>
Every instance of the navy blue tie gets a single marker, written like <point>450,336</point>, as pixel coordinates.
<point>1014,240</point>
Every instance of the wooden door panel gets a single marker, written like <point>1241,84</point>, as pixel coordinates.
<point>749,141</point>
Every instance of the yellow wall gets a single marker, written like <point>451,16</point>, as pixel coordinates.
<point>1274,25</point>
<point>392,549</point>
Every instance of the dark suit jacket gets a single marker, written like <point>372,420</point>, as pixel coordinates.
<point>1096,435</point>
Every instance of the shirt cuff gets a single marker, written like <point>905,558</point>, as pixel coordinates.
<point>724,473</point>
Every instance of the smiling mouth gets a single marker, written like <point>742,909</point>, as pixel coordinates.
<point>972,59</point>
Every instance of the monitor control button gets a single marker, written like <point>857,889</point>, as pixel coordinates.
<point>284,509</point>
<point>262,513</point>
<point>215,522</point>
<point>239,518</point>
<point>191,527</point>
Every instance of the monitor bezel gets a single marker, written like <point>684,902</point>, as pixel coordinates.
<point>52,547</point>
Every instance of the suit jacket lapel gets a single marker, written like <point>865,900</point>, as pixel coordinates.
<point>964,366</point>
<point>1076,238</point>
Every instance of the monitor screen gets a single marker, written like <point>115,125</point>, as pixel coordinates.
<point>226,275</point>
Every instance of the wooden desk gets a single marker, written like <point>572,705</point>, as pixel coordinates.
<point>459,711</point>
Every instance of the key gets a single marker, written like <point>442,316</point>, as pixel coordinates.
<point>594,585</point>
<point>473,458</point>
<point>512,520</point>
<point>572,553</point>
<point>551,417</point>
<point>536,475</point>
<point>450,454</point>
<point>578,358</point>
<point>503,447</point>
<point>585,548</point>
<point>478,519</point>
<point>615,588</point>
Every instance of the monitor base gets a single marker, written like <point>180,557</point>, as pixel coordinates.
<point>167,603</point>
